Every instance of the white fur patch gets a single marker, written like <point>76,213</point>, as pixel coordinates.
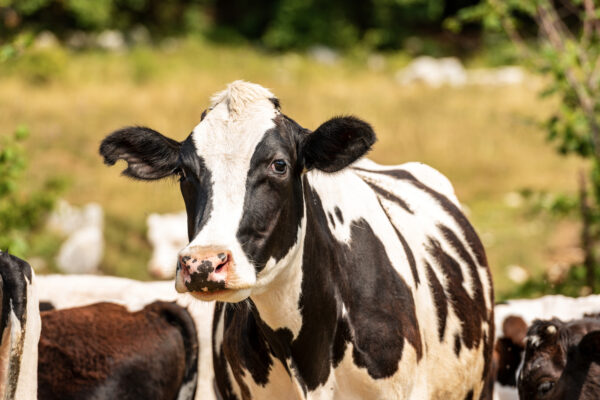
<point>27,382</point>
<point>19,349</point>
<point>534,340</point>
<point>186,392</point>
<point>239,95</point>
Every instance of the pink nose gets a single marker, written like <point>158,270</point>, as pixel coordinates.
<point>205,271</point>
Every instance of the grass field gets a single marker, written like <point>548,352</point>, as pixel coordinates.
<point>485,139</point>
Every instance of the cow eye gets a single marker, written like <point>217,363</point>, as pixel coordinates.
<point>545,387</point>
<point>279,167</point>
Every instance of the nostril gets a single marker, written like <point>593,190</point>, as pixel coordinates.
<point>185,259</point>
<point>223,260</point>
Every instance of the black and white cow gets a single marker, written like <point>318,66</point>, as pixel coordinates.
<point>20,328</point>
<point>335,278</point>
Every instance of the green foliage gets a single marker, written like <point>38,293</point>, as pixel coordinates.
<point>377,24</point>
<point>275,24</point>
<point>569,57</point>
<point>554,204</point>
<point>21,213</point>
<point>90,14</point>
<point>62,16</point>
<point>573,284</point>
<point>14,48</point>
<point>39,66</point>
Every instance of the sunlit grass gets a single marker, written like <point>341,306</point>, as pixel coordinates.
<point>484,139</point>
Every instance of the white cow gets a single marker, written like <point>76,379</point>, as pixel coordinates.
<point>83,249</point>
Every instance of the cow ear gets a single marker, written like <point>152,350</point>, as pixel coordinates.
<point>590,346</point>
<point>337,143</point>
<point>149,154</point>
<point>515,328</point>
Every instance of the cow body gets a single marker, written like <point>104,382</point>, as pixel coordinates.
<point>335,278</point>
<point>371,303</point>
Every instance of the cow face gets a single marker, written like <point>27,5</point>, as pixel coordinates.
<point>561,361</point>
<point>240,173</point>
<point>544,359</point>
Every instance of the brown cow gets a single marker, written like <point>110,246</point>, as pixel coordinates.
<point>103,351</point>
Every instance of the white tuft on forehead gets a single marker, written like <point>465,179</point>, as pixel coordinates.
<point>239,95</point>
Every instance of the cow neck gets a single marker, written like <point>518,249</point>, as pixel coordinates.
<point>297,316</point>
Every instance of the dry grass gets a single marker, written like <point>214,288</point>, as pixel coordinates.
<point>481,138</point>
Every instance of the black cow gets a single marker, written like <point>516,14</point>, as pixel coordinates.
<point>562,360</point>
<point>336,278</point>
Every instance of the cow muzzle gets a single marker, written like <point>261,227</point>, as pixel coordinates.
<point>203,271</point>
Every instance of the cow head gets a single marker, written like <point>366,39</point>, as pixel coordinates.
<point>562,361</point>
<point>240,174</point>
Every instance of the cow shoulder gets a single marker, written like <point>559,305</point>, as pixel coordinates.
<point>423,173</point>
<point>353,288</point>
<point>431,177</point>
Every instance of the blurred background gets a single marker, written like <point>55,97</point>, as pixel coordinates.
<point>500,96</point>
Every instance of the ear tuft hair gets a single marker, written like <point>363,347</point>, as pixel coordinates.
<point>149,154</point>
<point>337,143</point>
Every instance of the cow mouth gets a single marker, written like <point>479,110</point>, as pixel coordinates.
<point>209,293</point>
<point>225,295</point>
